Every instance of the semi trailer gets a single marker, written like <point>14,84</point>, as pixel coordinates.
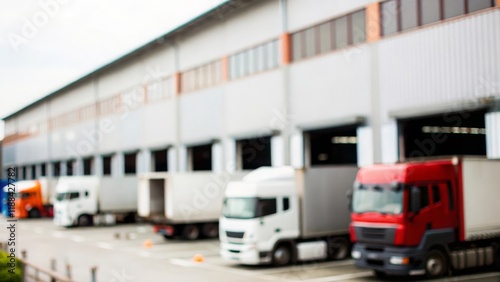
<point>281,215</point>
<point>184,205</point>
<point>89,200</point>
<point>29,198</point>
<point>427,217</point>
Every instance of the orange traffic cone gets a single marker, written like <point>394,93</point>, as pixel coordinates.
<point>198,258</point>
<point>147,243</point>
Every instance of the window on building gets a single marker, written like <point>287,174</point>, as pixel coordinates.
<point>130,163</point>
<point>333,34</point>
<point>399,15</point>
<point>56,168</point>
<point>476,5</point>
<point>256,59</point>
<point>409,14</point>
<point>33,172</point>
<point>201,157</point>
<point>431,11</point>
<point>389,13</point>
<point>88,164</point>
<point>201,77</point>
<point>106,165</point>
<point>159,88</point>
<point>160,160</point>
<point>69,167</point>
<point>358,27</point>
<point>43,169</point>
<point>453,8</point>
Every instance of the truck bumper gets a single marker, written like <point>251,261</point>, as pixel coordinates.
<point>244,254</point>
<point>388,259</point>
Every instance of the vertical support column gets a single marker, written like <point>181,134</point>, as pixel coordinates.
<point>117,165</point>
<point>493,135</point>
<point>390,143</point>
<point>373,22</point>
<point>286,58</point>
<point>217,161</point>
<point>183,159</point>
<point>172,159</point>
<point>277,151</point>
<point>297,150</point>
<point>230,163</point>
<point>78,167</point>
<point>97,168</point>
<point>144,161</point>
<point>365,146</point>
<point>63,171</point>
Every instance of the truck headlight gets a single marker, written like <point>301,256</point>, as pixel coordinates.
<point>399,260</point>
<point>356,254</point>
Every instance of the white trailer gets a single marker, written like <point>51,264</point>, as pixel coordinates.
<point>183,204</point>
<point>85,200</point>
<point>283,215</point>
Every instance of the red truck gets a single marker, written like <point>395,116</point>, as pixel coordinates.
<point>426,218</point>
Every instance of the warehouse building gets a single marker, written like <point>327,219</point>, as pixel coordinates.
<point>274,82</point>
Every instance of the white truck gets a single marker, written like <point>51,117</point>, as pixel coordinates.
<point>282,215</point>
<point>183,204</point>
<point>88,200</point>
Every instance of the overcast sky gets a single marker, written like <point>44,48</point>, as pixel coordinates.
<point>46,44</point>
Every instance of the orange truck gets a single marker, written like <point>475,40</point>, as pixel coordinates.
<point>31,198</point>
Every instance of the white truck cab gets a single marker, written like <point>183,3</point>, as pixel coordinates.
<point>75,201</point>
<point>258,212</point>
<point>281,215</point>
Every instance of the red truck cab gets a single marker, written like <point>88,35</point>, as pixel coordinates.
<point>401,213</point>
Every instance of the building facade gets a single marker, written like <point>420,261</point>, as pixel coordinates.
<point>277,82</point>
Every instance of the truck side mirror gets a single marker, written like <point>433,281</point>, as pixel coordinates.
<point>349,197</point>
<point>415,199</point>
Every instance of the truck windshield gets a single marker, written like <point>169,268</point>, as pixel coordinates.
<point>247,208</point>
<point>242,208</point>
<point>381,198</point>
<point>66,196</point>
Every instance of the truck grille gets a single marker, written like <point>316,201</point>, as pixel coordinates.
<point>231,234</point>
<point>375,235</point>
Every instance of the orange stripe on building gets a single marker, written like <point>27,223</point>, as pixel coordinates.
<point>286,48</point>
<point>373,22</point>
<point>177,83</point>
<point>498,3</point>
<point>225,68</point>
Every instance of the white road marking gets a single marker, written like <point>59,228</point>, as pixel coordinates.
<point>77,238</point>
<point>341,277</point>
<point>104,245</point>
<point>476,276</point>
<point>145,254</point>
<point>142,229</point>
<point>58,234</point>
<point>181,262</point>
<point>38,230</point>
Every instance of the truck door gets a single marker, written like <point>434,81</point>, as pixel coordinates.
<point>269,220</point>
<point>443,216</point>
<point>74,205</point>
<point>422,220</point>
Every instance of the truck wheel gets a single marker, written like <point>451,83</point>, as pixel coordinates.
<point>338,248</point>
<point>435,264</point>
<point>282,255</point>
<point>167,237</point>
<point>210,230</point>
<point>191,232</point>
<point>34,213</point>
<point>84,220</point>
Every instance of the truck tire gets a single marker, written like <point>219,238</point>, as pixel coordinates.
<point>34,213</point>
<point>191,232</point>
<point>282,255</point>
<point>84,220</point>
<point>435,264</point>
<point>210,230</point>
<point>338,248</point>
